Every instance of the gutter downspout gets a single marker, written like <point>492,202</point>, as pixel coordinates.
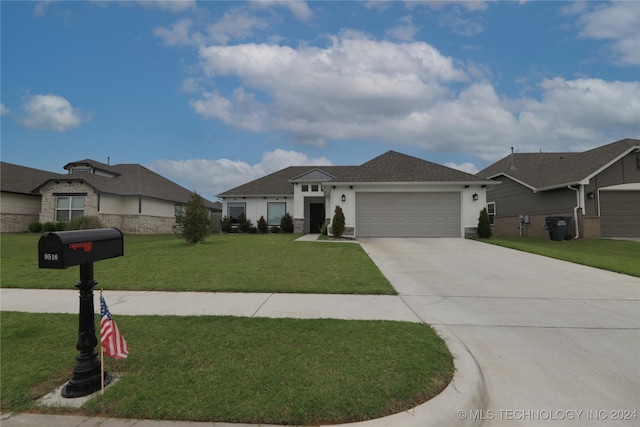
<point>575,210</point>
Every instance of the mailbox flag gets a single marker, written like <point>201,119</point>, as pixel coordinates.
<point>112,341</point>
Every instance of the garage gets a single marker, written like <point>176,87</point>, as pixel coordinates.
<point>407,214</point>
<point>619,213</point>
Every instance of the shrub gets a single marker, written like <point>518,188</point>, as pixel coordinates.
<point>286,223</point>
<point>484,226</point>
<point>225,224</point>
<point>193,224</point>
<point>338,222</point>
<point>262,225</point>
<point>82,223</point>
<point>61,225</point>
<point>35,227</point>
<point>275,229</point>
<point>244,224</point>
<point>253,230</point>
<point>49,226</point>
<point>323,230</point>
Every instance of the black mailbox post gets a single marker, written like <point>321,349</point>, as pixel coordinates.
<point>83,247</point>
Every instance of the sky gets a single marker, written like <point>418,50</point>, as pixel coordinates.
<point>215,94</point>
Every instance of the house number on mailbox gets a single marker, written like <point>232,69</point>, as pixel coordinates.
<point>50,257</point>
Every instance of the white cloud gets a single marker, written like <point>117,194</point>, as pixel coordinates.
<point>299,9</point>
<point>236,24</point>
<point>50,112</point>
<point>464,167</point>
<point>4,110</point>
<point>618,22</point>
<point>178,34</point>
<point>169,5</point>
<point>211,177</point>
<point>41,6</point>
<point>405,30</point>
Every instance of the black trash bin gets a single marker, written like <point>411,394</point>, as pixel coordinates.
<point>558,227</point>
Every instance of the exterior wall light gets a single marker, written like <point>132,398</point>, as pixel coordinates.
<point>344,198</point>
<point>591,195</point>
<point>475,197</point>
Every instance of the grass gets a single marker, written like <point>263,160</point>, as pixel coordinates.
<point>223,263</point>
<point>226,369</point>
<point>621,256</point>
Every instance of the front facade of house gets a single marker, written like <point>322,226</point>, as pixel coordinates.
<point>393,195</point>
<point>598,189</point>
<point>129,197</point>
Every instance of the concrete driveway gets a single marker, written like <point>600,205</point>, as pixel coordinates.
<point>557,343</point>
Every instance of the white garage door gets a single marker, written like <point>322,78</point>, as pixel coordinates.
<point>408,215</point>
<point>620,213</point>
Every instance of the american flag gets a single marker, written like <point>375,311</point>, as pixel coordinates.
<point>112,341</point>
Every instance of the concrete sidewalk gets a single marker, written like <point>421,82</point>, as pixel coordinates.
<point>465,393</point>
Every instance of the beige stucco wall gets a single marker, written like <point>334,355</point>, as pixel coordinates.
<point>17,211</point>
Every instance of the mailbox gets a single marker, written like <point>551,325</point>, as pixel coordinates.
<point>64,249</point>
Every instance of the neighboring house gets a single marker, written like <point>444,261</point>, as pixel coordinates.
<point>599,189</point>
<point>392,195</point>
<point>127,196</point>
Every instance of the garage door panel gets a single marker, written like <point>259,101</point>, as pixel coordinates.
<point>620,213</point>
<point>420,214</point>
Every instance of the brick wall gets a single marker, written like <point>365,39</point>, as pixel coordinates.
<point>48,206</point>
<point>16,223</point>
<point>139,224</point>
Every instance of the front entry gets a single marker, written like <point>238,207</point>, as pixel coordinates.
<point>316,217</point>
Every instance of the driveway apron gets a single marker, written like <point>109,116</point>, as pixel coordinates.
<point>558,343</point>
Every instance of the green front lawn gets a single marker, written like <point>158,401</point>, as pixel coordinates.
<point>223,263</point>
<point>226,369</point>
<point>621,256</point>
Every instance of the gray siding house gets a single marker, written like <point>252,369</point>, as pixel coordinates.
<point>392,195</point>
<point>127,196</point>
<point>599,189</point>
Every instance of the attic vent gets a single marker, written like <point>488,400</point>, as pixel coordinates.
<point>80,170</point>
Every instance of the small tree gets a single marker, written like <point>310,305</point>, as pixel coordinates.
<point>286,223</point>
<point>337,227</point>
<point>262,225</point>
<point>193,224</point>
<point>484,226</point>
<point>244,224</point>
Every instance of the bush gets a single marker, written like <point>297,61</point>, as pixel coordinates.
<point>323,230</point>
<point>194,224</point>
<point>225,224</point>
<point>338,222</point>
<point>262,225</point>
<point>49,226</point>
<point>275,229</point>
<point>244,224</point>
<point>484,226</point>
<point>253,230</point>
<point>82,223</point>
<point>286,223</point>
<point>35,227</point>
<point>61,225</point>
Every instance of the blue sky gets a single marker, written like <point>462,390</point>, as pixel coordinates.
<point>215,94</point>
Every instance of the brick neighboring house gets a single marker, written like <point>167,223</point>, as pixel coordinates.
<point>599,189</point>
<point>127,196</point>
<point>392,195</point>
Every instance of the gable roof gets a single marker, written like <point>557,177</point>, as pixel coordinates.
<point>22,180</point>
<point>397,167</point>
<point>388,167</point>
<point>546,171</point>
<point>278,183</point>
<point>125,180</point>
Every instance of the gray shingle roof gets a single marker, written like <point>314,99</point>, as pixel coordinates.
<point>397,167</point>
<point>21,179</point>
<point>130,180</point>
<point>549,170</point>
<point>388,167</point>
<point>277,183</point>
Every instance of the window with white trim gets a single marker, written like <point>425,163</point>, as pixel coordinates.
<point>275,212</point>
<point>491,210</point>
<point>69,207</point>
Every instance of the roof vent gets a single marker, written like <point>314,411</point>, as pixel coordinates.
<point>513,164</point>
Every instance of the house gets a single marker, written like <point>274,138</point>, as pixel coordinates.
<point>599,189</point>
<point>392,195</point>
<point>127,196</point>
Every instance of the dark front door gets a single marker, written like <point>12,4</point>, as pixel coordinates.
<point>316,214</point>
